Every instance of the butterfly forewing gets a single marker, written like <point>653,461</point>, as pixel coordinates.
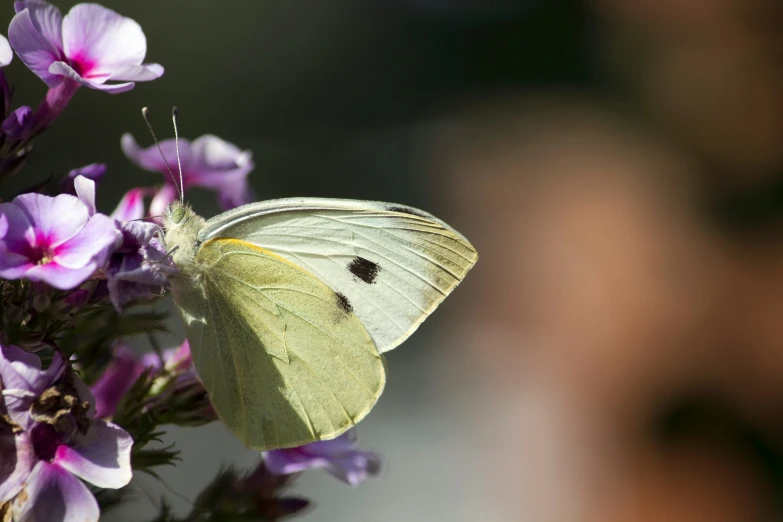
<point>284,357</point>
<point>392,264</point>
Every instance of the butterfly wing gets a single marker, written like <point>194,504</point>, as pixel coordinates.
<point>394,264</point>
<point>285,360</point>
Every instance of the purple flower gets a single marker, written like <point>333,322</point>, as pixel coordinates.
<point>208,162</point>
<point>49,440</point>
<point>55,240</point>
<point>6,53</point>
<point>91,45</point>
<point>173,373</point>
<point>140,266</point>
<point>19,124</point>
<point>93,171</point>
<point>340,457</point>
<point>115,382</point>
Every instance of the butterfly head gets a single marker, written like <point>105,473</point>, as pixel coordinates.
<point>176,213</point>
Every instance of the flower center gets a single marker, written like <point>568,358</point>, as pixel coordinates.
<point>42,255</point>
<point>45,440</point>
<point>82,65</point>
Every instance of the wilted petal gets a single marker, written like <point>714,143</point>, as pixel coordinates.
<point>102,457</point>
<point>18,124</point>
<point>52,493</point>
<point>151,158</point>
<point>6,53</point>
<point>85,190</point>
<point>56,219</point>
<point>100,40</point>
<point>35,35</point>
<point>131,205</point>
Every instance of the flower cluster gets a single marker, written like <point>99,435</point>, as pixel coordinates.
<point>80,412</point>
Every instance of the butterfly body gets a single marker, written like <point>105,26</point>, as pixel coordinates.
<point>289,304</point>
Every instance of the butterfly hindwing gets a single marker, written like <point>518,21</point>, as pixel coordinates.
<point>285,359</point>
<point>393,264</point>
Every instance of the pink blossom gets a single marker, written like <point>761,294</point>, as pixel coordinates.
<point>208,162</point>
<point>44,453</point>
<point>91,46</point>
<point>57,240</point>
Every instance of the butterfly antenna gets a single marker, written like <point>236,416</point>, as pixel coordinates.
<point>145,112</point>
<point>174,113</point>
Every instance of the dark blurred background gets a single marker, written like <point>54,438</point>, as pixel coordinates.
<point>617,353</point>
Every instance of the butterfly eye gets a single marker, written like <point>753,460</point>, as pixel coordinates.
<point>178,214</point>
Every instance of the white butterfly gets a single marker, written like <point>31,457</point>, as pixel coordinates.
<point>290,303</point>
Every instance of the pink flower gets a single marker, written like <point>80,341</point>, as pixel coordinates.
<point>55,240</point>
<point>208,162</point>
<point>91,45</point>
<point>340,456</point>
<point>46,446</point>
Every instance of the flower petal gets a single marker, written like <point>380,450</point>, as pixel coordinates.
<point>18,124</point>
<point>211,153</point>
<point>24,380</point>
<point>137,73</point>
<point>55,219</point>
<point>152,159</point>
<point>47,19</point>
<point>60,277</point>
<point>96,82</point>
<point>354,468</point>
<point>52,493</point>
<point>102,457</point>
<point>85,190</point>
<point>35,35</point>
<point>161,201</point>
<point>6,53</point>
<point>222,166</point>
<point>17,459</point>
<point>101,40</point>
<point>116,380</point>
<point>288,461</point>
<point>131,205</point>
<point>94,171</point>
<point>93,244</point>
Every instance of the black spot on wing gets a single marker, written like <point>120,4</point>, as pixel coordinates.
<point>364,269</point>
<point>343,303</point>
<point>407,210</point>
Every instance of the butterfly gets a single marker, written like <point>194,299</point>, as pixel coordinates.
<point>290,304</point>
